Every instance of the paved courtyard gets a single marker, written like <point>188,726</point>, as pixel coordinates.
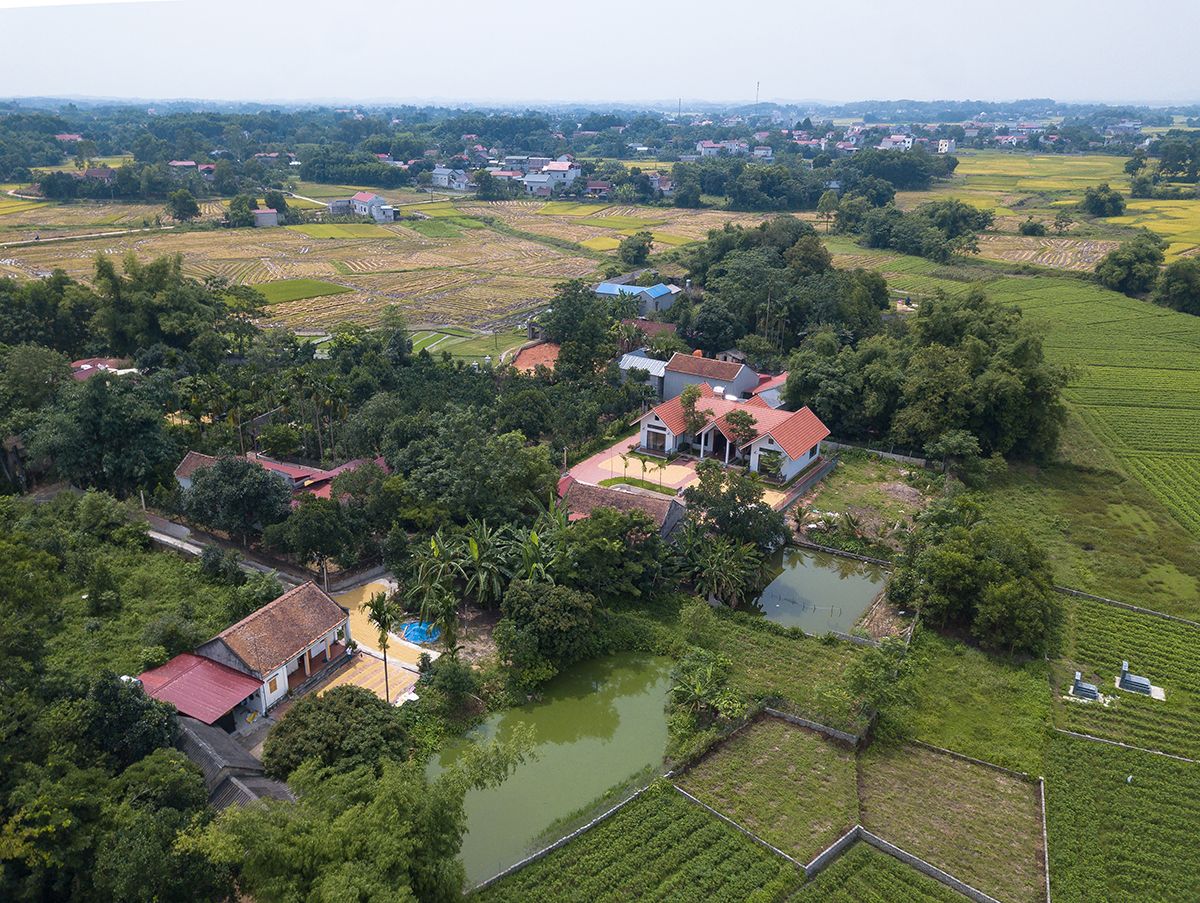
<point>609,464</point>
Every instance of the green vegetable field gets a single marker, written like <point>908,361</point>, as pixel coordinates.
<point>659,847</point>
<point>864,875</point>
<point>1098,638</point>
<point>1122,824</point>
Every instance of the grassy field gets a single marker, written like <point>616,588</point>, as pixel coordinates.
<point>296,289</point>
<point>1136,379</point>
<point>980,825</point>
<point>864,875</point>
<point>806,674</point>
<point>659,847</point>
<point>1120,511</point>
<point>1098,638</point>
<point>978,704</point>
<point>1122,824</point>
<point>1001,171</point>
<point>788,785</point>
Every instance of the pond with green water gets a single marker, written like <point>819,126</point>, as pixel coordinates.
<point>595,727</point>
<point>819,592</point>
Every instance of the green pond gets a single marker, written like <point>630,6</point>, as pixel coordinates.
<point>819,592</point>
<point>596,726</point>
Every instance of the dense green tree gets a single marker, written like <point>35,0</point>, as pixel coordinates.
<point>545,628</point>
<point>731,504</point>
<point>344,728</point>
<point>182,206</point>
<point>635,249</point>
<point>614,556</point>
<point>108,433</point>
<point>1179,286</point>
<point>1101,200</point>
<point>315,531</point>
<point>238,497</point>
<point>580,323</point>
<point>1133,267</point>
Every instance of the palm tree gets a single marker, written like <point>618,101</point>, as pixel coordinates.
<point>384,615</point>
<point>485,562</point>
<point>437,568</point>
<point>726,571</point>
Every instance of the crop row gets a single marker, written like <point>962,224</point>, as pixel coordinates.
<point>659,847</point>
<point>864,875</point>
<point>1149,429</point>
<point>1172,479</point>
<point>1121,824</point>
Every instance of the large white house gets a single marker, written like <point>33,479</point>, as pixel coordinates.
<point>784,443</point>
<point>363,203</point>
<point>454,179</point>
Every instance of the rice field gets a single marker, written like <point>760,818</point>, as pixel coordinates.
<point>1016,185</point>
<point>297,289</point>
<point>474,278</point>
<point>1178,222</point>
<point>343,230</point>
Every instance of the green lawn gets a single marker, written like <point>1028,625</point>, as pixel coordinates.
<point>434,228</point>
<point>641,484</point>
<point>976,823</point>
<point>344,230</point>
<point>862,874</point>
<point>659,847</point>
<point>1122,824</point>
<point>790,786</point>
<point>298,289</point>
<point>978,704</point>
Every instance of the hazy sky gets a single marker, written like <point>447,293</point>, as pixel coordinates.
<point>615,50</point>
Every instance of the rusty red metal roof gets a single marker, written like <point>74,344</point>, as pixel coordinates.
<point>198,686</point>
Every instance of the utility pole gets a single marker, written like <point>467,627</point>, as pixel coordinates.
<point>756,87</point>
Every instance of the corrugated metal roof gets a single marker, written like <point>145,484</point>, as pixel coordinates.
<point>198,686</point>
<point>641,362</point>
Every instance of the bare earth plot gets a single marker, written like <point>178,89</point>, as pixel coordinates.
<point>1062,253</point>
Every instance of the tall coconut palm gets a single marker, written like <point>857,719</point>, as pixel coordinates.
<point>384,614</point>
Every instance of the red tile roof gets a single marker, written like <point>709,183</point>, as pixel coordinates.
<point>581,499</point>
<point>87,367</point>
<point>281,630</point>
<point>543,354</point>
<point>198,686</point>
<point>192,462</point>
<point>364,196</point>
<point>703,366</point>
<point>766,383</point>
<point>651,327</point>
<point>795,432</point>
<point>296,472</point>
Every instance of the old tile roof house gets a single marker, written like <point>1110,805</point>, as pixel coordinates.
<point>285,642</point>
<point>685,370</point>
<point>581,499</point>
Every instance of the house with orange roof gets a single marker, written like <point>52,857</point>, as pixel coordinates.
<point>784,443</point>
